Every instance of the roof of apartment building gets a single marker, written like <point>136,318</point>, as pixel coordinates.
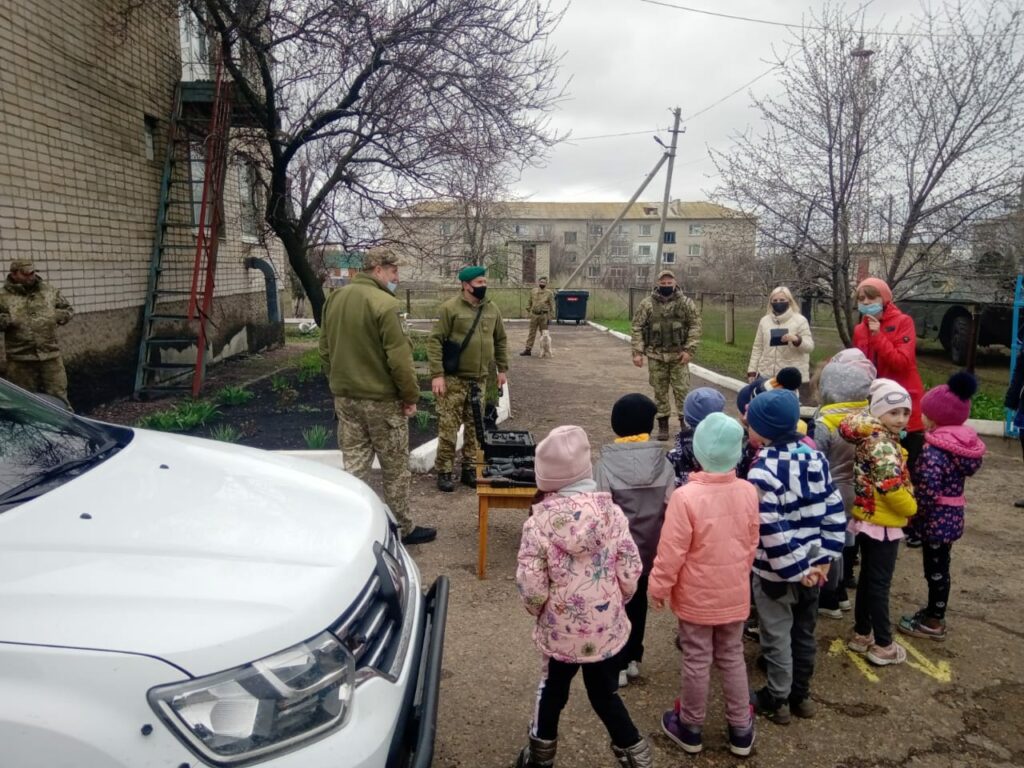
<point>599,211</point>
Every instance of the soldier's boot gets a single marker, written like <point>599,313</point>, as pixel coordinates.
<point>539,753</point>
<point>637,756</point>
<point>468,476</point>
<point>445,482</point>
<point>663,427</point>
<point>525,353</point>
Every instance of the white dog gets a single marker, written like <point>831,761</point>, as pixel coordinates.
<point>545,344</point>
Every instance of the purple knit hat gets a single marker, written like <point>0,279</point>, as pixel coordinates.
<point>949,404</point>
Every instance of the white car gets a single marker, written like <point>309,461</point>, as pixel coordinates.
<point>170,601</point>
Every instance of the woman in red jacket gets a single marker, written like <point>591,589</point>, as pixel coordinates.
<point>887,338</point>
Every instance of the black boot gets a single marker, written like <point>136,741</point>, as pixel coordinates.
<point>468,476</point>
<point>539,753</point>
<point>445,482</point>
<point>525,353</point>
<point>663,428</point>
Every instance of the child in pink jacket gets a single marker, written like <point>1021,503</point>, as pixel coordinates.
<point>578,566</point>
<point>703,570</point>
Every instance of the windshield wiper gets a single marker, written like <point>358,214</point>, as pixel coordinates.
<point>57,470</point>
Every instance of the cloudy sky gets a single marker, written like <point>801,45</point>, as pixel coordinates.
<point>630,62</point>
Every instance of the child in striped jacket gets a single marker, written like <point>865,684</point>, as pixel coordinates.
<point>802,530</point>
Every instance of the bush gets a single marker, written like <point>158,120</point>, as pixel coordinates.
<point>181,418</point>
<point>162,421</point>
<point>316,437</point>
<point>234,396</point>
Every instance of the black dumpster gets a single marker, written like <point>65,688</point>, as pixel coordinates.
<point>571,305</point>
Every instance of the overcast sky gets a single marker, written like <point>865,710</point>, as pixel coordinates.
<point>629,62</point>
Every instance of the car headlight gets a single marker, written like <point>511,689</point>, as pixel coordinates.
<point>243,714</point>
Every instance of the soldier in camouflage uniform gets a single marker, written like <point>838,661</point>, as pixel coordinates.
<point>367,356</point>
<point>540,307</point>
<point>666,329</point>
<point>30,311</point>
<point>487,346</point>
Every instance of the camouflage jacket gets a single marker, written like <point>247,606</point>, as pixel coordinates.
<point>542,301</point>
<point>29,316</point>
<point>665,327</point>
<point>487,344</point>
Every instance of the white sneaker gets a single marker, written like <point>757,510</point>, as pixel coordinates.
<point>633,670</point>
<point>623,679</point>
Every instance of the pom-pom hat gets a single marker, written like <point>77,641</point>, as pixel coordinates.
<point>949,404</point>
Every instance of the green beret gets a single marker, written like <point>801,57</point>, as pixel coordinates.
<point>471,273</point>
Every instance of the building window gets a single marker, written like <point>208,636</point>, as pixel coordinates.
<point>569,238</point>
<point>643,274</point>
<point>248,201</point>
<point>521,229</point>
<point>693,250</point>
<point>693,271</point>
<point>668,257</point>
<point>619,249</point>
<point>149,124</point>
<point>650,210</point>
<point>593,270</point>
<point>621,229</point>
<point>645,230</point>
<point>445,227</point>
<point>643,250</point>
<point>545,230</point>
<point>670,237</point>
<point>571,256</point>
<point>597,229</point>
<point>696,230</point>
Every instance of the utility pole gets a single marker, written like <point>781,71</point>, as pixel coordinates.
<point>668,190</point>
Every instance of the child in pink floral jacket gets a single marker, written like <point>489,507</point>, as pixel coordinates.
<point>578,566</point>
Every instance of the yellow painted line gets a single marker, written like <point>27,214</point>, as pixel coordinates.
<point>940,670</point>
<point>839,648</point>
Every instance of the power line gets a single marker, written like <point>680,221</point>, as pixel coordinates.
<point>733,93</point>
<point>615,135</point>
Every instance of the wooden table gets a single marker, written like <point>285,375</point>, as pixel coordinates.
<point>503,498</point>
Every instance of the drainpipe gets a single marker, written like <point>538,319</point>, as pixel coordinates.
<point>264,266</point>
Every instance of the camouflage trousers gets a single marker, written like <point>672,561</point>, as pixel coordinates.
<point>47,377</point>
<point>453,410</point>
<point>665,375</point>
<point>537,323</point>
<point>368,427</point>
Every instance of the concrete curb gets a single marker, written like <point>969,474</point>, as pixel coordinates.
<point>421,458</point>
<point>984,427</point>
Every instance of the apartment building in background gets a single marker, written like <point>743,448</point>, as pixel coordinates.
<point>86,110</point>
<point>520,241</point>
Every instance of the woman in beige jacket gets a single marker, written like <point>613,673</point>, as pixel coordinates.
<point>783,339</point>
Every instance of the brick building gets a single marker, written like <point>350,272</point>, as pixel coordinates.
<point>85,103</point>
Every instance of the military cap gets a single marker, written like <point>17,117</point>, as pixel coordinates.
<point>666,273</point>
<point>542,279</point>
<point>22,265</point>
<point>471,272</point>
<point>379,257</point>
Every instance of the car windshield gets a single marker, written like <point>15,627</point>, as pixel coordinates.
<point>42,446</point>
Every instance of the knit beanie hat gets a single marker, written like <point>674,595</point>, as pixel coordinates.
<point>749,392</point>
<point>885,395</point>
<point>633,414</point>
<point>700,404</point>
<point>846,378</point>
<point>884,291</point>
<point>562,458</point>
<point>774,413</point>
<point>949,404</point>
<point>718,442</point>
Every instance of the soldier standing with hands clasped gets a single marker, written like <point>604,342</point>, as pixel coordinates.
<point>666,328</point>
<point>539,308</point>
<point>473,322</point>
<point>30,311</point>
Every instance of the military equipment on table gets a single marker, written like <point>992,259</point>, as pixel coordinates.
<point>498,443</point>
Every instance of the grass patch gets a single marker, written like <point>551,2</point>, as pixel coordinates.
<point>308,366</point>
<point>226,433</point>
<point>316,437</point>
<point>183,417</point>
<point>423,419</point>
<point>234,396</point>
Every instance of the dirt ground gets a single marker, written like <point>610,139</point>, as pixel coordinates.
<point>960,703</point>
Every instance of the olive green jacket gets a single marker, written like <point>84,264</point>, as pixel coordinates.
<point>364,348</point>
<point>542,301</point>
<point>488,342</point>
<point>665,327</point>
<point>29,316</point>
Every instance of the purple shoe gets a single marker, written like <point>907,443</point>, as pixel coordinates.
<point>741,740</point>
<point>686,736</point>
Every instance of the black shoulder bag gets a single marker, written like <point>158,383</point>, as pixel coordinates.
<point>451,352</point>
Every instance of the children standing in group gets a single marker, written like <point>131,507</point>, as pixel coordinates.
<point>640,479</point>
<point>842,391</point>
<point>698,405</point>
<point>802,526</point>
<point>883,504</point>
<point>952,452</point>
<point>702,568</point>
<point>578,567</point>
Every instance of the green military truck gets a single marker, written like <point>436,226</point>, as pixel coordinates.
<point>949,321</point>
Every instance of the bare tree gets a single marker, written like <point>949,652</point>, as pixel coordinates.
<point>908,144</point>
<point>380,96</point>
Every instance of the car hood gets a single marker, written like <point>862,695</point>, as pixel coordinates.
<point>203,554</point>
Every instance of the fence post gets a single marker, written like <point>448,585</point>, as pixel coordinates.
<point>730,318</point>
<point>408,302</point>
<point>700,301</point>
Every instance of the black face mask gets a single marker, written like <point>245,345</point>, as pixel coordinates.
<point>778,307</point>
<point>666,290</point>
<point>479,291</point>
<point>543,286</point>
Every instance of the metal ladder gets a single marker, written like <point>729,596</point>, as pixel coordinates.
<point>183,260</point>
